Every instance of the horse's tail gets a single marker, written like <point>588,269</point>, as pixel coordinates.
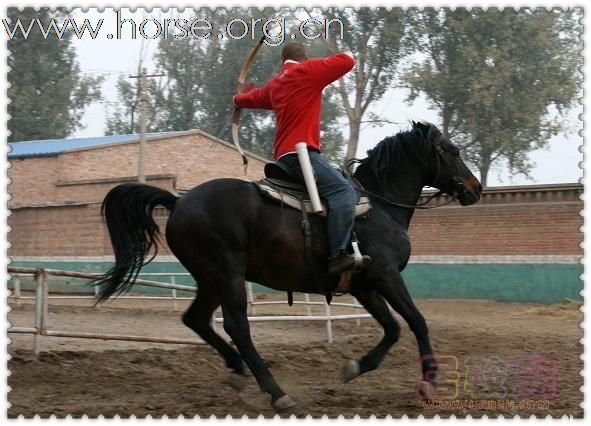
<point>128,211</point>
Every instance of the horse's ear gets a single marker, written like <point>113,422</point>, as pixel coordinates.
<point>418,125</point>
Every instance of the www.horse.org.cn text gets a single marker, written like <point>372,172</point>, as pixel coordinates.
<point>275,30</point>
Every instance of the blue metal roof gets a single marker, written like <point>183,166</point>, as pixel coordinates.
<point>50,147</point>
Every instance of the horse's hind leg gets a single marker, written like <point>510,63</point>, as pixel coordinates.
<point>198,318</point>
<point>377,307</point>
<point>236,325</point>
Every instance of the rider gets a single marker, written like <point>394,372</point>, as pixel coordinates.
<point>295,95</point>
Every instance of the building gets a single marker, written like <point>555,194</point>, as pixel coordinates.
<point>517,243</point>
<point>57,187</point>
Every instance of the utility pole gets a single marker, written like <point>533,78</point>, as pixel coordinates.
<point>142,86</point>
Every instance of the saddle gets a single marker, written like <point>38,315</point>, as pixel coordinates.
<point>281,186</point>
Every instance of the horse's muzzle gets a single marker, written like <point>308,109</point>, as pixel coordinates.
<point>467,191</point>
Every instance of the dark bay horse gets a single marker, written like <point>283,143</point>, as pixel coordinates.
<point>224,232</point>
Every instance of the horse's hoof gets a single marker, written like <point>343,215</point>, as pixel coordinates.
<point>351,370</point>
<point>283,404</point>
<point>424,388</point>
<point>237,381</point>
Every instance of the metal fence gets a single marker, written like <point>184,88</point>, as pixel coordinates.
<point>42,297</point>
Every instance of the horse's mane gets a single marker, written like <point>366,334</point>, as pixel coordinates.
<point>394,149</point>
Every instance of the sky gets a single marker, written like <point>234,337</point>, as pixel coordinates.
<point>112,57</point>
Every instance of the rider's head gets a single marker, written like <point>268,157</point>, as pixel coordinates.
<point>294,51</point>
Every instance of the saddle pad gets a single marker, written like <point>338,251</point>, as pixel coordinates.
<point>362,207</point>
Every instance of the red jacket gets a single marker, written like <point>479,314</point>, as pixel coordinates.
<point>295,95</point>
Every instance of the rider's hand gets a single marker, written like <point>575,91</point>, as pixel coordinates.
<point>246,87</point>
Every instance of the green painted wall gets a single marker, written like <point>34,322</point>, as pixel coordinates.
<point>539,283</point>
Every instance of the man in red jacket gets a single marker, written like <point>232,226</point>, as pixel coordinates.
<point>295,95</point>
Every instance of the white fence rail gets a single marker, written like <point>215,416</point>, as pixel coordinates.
<point>42,301</point>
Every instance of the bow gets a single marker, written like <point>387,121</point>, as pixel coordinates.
<point>241,83</point>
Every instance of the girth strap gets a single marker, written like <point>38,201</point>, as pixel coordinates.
<point>307,233</point>
<point>308,261</point>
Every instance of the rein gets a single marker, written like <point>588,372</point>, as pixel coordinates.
<point>420,206</point>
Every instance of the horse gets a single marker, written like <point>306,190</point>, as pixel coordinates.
<point>224,232</point>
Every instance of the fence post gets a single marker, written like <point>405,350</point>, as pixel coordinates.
<point>308,307</point>
<point>356,302</point>
<point>16,291</point>
<point>174,303</point>
<point>213,322</point>
<point>250,298</point>
<point>39,324</point>
<point>45,287</point>
<point>328,322</point>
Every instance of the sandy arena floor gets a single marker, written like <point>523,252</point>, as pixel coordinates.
<point>94,377</point>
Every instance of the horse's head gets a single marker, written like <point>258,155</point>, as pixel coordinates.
<point>400,166</point>
<point>448,172</point>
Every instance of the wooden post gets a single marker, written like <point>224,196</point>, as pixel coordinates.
<point>142,87</point>
<point>250,298</point>
<point>45,286</point>
<point>39,278</point>
<point>174,303</point>
<point>142,155</point>
<point>308,307</point>
<point>16,291</point>
<point>356,302</point>
<point>328,322</point>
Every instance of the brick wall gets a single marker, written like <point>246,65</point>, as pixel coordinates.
<point>55,204</point>
<point>83,176</point>
<point>58,231</point>
<point>67,229</point>
<point>62,231</point>
<point>529,220</point>
<point>546,228</point>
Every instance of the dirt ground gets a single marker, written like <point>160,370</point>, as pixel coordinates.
<point>94,377</point>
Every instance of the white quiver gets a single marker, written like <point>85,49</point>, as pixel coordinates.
<point>308,172</point>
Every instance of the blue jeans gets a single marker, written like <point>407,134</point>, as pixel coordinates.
<point>339,194</point>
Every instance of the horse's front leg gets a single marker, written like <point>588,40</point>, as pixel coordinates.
<point>377,307</point>
<point>396,294</point>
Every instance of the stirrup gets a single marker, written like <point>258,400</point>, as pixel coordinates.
<point>358,265</point>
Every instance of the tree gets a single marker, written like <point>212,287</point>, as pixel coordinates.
<point>501,80</point>
<point>124,117</point>
<point>188,64</point>
<point>257,128</point>
<point>47,91</point>
<point>375,37</point>
<point>200,81</point>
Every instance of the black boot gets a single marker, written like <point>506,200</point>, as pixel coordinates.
<point>340,264</point>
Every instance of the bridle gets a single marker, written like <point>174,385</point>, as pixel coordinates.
<point>460,188</point>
